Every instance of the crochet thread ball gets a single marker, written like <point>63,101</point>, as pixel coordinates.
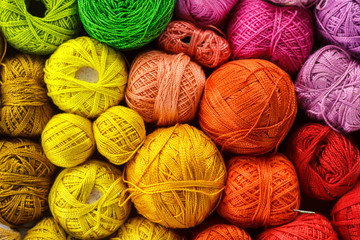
<point>68,140</point>
<point>7,233</point>
<point>203,12</point>
<point>86,77</point>
<point>46,229</point>
<point>336,23</point>
<point>3,46</point>
<point>126,24</point>
<point>260,191</point>
<point>205,47</point>
<point>282,35</point>
<point>328,87</point>
<point>25,107</point>
<point>25,180</point>
<point>328,163</point>
<point>119,133</point>
<point>177,177</point>
<point>345,214</point>
<point>39,35</point>
<point>85,199</point>
<point>139,228</point>
<point>165,89</point>
<point>299,3</point>
<point>248,106</point>
<point>223,232</point>
<point>305,227</point>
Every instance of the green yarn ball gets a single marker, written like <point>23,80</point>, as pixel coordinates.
<point>41,35</point>
<point>126,24</point>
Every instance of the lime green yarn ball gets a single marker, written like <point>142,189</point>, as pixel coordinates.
<point>39,35</point>
<point>127,24</point>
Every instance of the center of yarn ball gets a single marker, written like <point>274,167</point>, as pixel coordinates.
<point>36,8</point>
<point>87,74</point>
<point>94,196</point>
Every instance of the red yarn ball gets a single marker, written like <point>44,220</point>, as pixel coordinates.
<point>327,163</point>
<point>223,232</point>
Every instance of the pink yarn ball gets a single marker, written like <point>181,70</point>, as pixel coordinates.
<point>299,3</point>
<point>282,35</point>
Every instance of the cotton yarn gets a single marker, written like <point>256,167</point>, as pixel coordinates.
<point>327,163</point>
<point>304,227</point>
<point>260,191</point>
<point>299,3</point>
<point>85,199</point>
<point>25,179</point>
<point>139,228</point>
<point>119,132</point>
<point>25,106</point>
<point>282,35</point>
<point>223,232</point>
<point>336,23</point>
<point>328,86</point>
<point>9,234</point>
<point>127,24</point>
<point>205,47</point>
<point>165,89</point>
<point>39,35</point>
<point>248,106</point>
<point>3,46</point>
<point>176,177</point>
<point>46,229</point>
<point>204,12</point>
<point>68,140</point>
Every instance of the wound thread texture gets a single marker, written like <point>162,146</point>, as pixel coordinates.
<point>46,229</point>
<point>223,232</point>
<point>9,234</point>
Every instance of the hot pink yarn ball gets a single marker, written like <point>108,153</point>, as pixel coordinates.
<point>282,35</point>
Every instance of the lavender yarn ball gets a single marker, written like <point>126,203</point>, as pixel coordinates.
<point>338,23</point>
<point>328,88</point>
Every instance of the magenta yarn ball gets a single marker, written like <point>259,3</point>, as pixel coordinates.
<point>282,35</point>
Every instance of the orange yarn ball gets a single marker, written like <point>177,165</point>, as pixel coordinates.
<point>260,191</point>
<point>165,89</point>
<point>248,106</point>
<point>223,232</point>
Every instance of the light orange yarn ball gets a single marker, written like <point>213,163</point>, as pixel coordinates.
<point>223,232</point>
<point>165,89</point>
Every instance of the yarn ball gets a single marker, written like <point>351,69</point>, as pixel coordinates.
<point>46,229</point>
<point>248,106</point>
<point>7,233</point>
<point>139,228</point>
<point>86,77</point>
<point>204,13</point>
<point>299,3</point>
<point>25,106</point>
<point>177,177</point>
<point>345,214</point>
<point>305,227</point>
<point>337,23</point>
<point>39,34</point>
<point>205,47</point>
<point>119,133</point>
<point>3,46</point>
<point>85,199</point>
<point>223,232</point>
<point>68,140</point>
<point>327,163</point>
<point>282,35</point>
<point>125,24</point>
<point>25,180</point>
<point>328,87</point>
<point>260,191</point>
<point>165,89</point>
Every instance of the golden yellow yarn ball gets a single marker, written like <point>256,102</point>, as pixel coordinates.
<point>119,133</point>
<point>46,229</point>
<point>25,180</point>
<point>85,76</point>
<point>7,233</point>
<point>68,139</point>
<point>25,106</point>
<point>177,177</point>
<point>140,228</point>
<point>86,200</point>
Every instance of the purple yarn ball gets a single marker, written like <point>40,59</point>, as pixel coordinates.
<point>328,88</point>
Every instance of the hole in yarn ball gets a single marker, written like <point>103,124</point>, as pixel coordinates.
<point>186,39</point>
<point>87,74</point>
<point>36,8</point>
<point>95,195</point>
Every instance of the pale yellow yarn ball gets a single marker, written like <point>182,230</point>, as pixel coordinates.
<point>68,140</point>
<point>46,229</point>
<point>119,133</point>
<point>85,76</point>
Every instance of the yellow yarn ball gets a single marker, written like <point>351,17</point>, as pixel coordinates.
<point>46,229</point>
<point>139,228</point>
<point>119,133</point>
<point>86,77</point>
<point>68,139</point>
<point>176,177</point>
<point>7,233</point>
<point>85,200</point>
